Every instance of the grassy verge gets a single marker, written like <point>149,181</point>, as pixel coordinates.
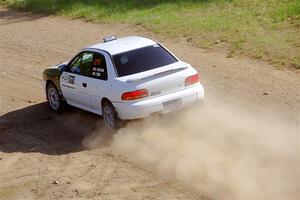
<point>263,29</point>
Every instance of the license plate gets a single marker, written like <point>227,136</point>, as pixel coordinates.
<point>172,105</point>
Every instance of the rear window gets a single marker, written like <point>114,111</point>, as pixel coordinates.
<point>143,59</point>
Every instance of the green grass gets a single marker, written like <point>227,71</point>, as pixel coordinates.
<point>263,29</point>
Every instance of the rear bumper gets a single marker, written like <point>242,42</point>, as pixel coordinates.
<point>144,108</point>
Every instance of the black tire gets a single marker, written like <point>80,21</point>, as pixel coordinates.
<point>110,116</point>
<point>55,100</point>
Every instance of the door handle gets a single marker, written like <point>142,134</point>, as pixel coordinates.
<point>84,84</point>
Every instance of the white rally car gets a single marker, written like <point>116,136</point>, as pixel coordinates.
<point>126,78</point>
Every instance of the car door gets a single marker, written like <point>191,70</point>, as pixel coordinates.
<point>99,86</point>
<point>74,81</point>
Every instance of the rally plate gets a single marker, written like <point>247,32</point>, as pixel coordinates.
<point>172,105</point>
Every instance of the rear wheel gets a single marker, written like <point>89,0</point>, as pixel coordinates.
<point>54,99</point>
<point>110,117</point>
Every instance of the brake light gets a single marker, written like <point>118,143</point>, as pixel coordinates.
<point>138,94</point>
<point>192,79</point>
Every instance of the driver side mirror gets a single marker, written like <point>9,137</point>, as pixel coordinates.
<point>62,67</point>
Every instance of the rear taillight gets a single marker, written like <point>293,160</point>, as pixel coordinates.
<point>192,79</point>
<point>138,94</point>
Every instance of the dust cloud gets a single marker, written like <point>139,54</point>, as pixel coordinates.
<point>220,150</point>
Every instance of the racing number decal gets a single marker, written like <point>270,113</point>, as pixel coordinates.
<point>97,62</point>
<point>71,79</point>
<point>97,70</point>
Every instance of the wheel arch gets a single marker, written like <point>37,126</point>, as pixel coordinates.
<point>119,123</point>
<point>105,99</point>
<point>48,82</point>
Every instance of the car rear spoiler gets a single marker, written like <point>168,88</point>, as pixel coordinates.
<point>157,75</point>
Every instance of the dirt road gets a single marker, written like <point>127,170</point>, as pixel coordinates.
<point>44,156</point>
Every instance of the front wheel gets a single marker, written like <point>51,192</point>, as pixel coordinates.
<point>54,99</point>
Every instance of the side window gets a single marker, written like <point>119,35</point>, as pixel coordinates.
<point>75,65</point>
<point>99,69</point>
<point>82,64</point>
<point>86,63</point>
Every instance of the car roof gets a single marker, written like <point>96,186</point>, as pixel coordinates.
<point>124,44</point>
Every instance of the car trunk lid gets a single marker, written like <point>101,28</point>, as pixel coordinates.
<point>162,80</point>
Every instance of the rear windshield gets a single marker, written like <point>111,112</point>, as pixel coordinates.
<point>143,59</point>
